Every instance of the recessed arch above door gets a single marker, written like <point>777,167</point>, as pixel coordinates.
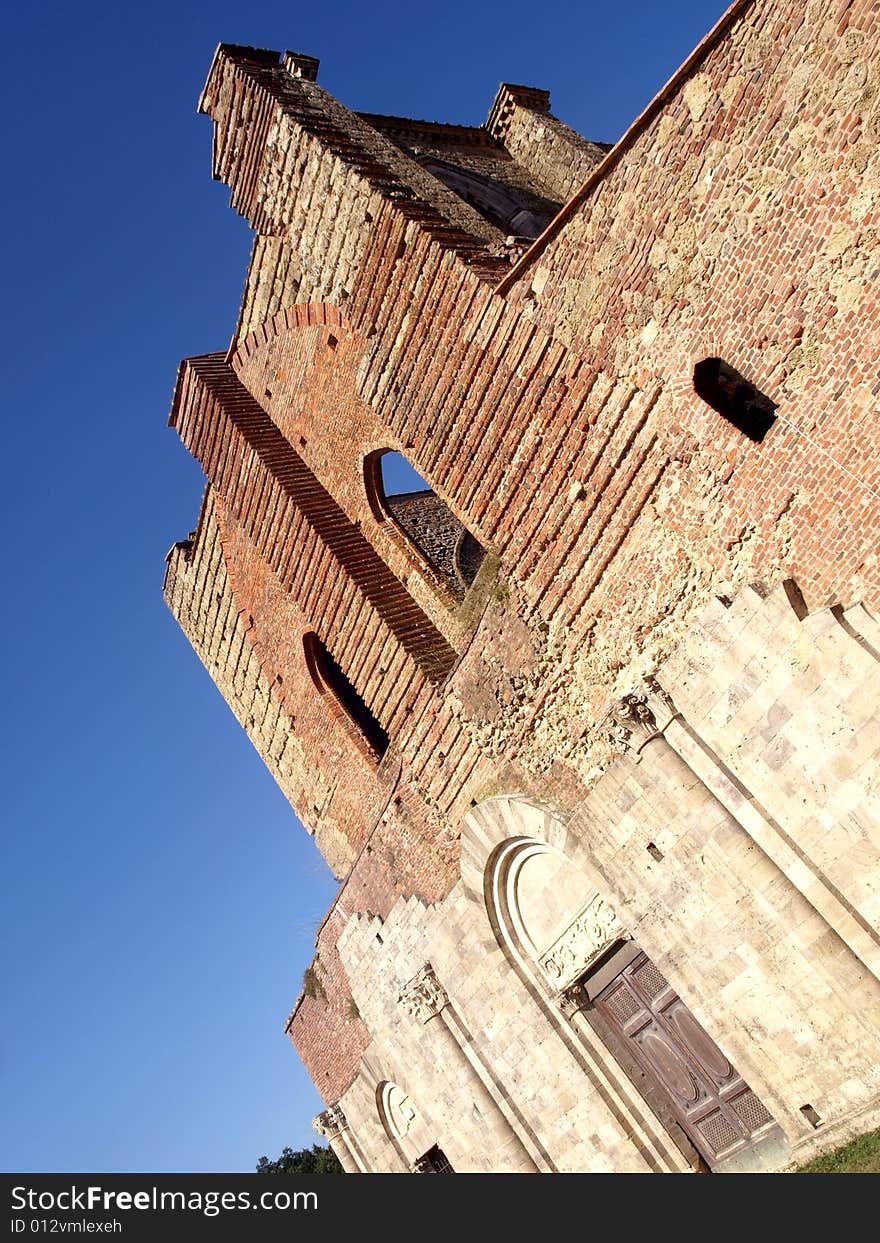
<point>567,941</point>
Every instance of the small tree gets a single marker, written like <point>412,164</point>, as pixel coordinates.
<point>314,1160</point>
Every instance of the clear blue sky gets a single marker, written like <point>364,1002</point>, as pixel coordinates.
<point>159,898</point>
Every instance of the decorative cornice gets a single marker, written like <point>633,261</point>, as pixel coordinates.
<point>424,996</point>
<point>412,129</point>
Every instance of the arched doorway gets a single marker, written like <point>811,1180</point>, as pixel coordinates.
<point>409,1132</point>
<point>567,940</point>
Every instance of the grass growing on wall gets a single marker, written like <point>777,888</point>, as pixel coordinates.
<point>860,1156</point>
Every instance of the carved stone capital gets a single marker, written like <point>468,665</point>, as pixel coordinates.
<point>572,1000</point>
<point>325,1126</point>
<point>424,996</point>
<point>656,691</point>
<point>630,722</point>
<point>330,1123</point>
<point>660,702</point>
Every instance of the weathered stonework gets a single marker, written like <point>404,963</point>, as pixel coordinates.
<point>594,929</point>
<point>423,996</point>
<point>626,800</point>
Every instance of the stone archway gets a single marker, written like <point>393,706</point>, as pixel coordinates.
<point>566,940</point>
<point>545,912</point>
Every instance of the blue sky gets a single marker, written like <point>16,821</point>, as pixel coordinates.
<point>159,899</point>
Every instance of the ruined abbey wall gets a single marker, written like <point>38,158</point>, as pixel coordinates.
<point>632,533</point>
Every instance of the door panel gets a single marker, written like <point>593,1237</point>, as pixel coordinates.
<point>714,1104</point>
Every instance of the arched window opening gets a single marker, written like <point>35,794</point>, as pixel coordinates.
<point>396,492</point>
<point>734,398</point>
<point>330,679</point>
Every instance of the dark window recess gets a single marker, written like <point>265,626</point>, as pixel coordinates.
<point>330,678</point>
<point>811,1116</point>
<point>395,491</point>
<point>725,390</point>
<point>434,1161</point>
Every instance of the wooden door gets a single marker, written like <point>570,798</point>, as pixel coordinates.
<point>434,1161</point>
<point>717,1108</point>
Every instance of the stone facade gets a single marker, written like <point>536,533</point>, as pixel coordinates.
<point>604,809</point>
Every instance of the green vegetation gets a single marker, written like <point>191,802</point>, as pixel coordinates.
<point>312,986</point>
<point>314,1160</point>
<point>859,1156</point>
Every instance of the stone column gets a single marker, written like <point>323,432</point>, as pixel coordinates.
<point>332,1125</point>
<point>425,1000</point>
<point>636,725</point>
<point>734,892</point>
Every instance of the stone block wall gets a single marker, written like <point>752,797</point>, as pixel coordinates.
<point>566,1115</point>
<point>788,987</point>
<point>788,706</point>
